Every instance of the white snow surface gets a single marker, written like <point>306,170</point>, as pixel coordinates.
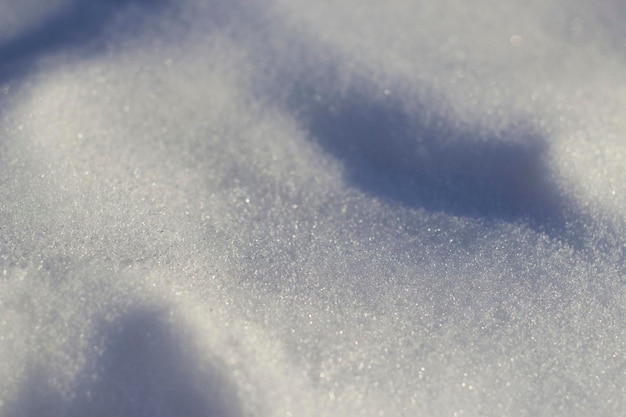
<point>312,208</point>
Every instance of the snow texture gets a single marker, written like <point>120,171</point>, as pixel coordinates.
<point>312,208</point>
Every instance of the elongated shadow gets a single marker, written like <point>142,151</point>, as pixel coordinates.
<point>76,24</point>
<point>421,160</point>
<point>144,368</point>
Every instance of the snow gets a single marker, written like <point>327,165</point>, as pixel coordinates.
<point>290,208</point>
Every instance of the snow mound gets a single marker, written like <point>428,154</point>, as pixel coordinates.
<point>289,208</point>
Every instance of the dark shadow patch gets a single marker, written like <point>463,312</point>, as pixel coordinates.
<point>79,23</point>
<point>422,160</point>
<point>140,366</point>
<point>147,370</point>
<point>36,398</point>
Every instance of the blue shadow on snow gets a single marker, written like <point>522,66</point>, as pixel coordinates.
<point>78,23</point>
<point>424,161</point>
<point>141,366</point>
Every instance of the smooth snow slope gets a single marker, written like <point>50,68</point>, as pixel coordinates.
<point>326,208</point>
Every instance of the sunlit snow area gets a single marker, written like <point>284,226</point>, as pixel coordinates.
<point>312,208</point>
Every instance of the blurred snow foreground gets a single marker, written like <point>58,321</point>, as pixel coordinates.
<point>312,208</point>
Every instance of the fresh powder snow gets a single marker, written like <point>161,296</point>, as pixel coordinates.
<point>312,208</point>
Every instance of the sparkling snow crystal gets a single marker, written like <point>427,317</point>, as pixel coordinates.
<point>312,208</point>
